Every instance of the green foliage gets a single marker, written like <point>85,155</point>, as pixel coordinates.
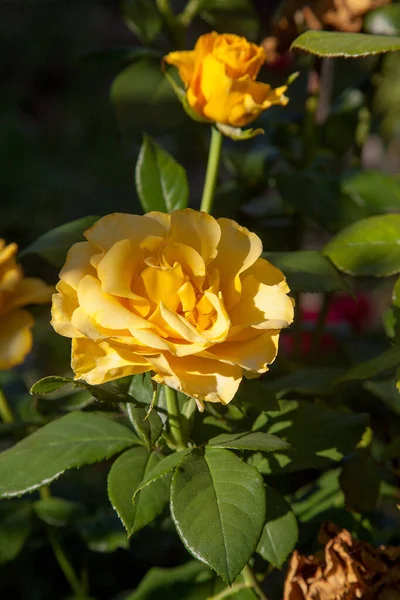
<point>218,506</point>
<point>385,20</point>
<point>280,531</point>
<point>143,18</point>
<point>360,482</point>
<point>257,440</point>
<point>71,441</point>
<point>307,271</point>
<point>126,474</point>
<point>147,425</point>
<point>54,245</point>
<point>58,512</point>
<point>15,528</point>
<point>160,181</point>
<point>316,434</point>
<point>349,45</point>
<point>368,247</point>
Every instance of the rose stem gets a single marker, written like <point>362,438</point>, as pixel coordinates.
<point>174,418</point>
<point>214,157</point>
<point>65,565</point>
<point>252,582</point>
<point>5,410</point>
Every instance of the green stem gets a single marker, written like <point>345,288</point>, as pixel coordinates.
<point>252,582</point>
<point>230,591</point>
<point>60,554</point>
<point>174,28</point>
<point>214,157</point>
<point>65,565</point>
<point>189,12</point>
<point>320,325</point>
<point>174,419</point>
<point>5,410</point>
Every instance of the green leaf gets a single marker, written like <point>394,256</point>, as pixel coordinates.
<point>161,182</point>
<point>307,271</point>
<point>103,533</point>
<point>54,244</point>
<point>124,478</point>
<point>311,381</point>
<point>191,581</point>
<point>255,440</point>
<point>317,435</point>
<point>384,21</point>
<point>106,392</point>
<point>368,247</point>
<point>317,497</point>
<point>15,528</point>
<point>349,45</point>
<point>237,134</point>
<point>256,393</point>
<point>71,441</point>
<point>369,368</point>
<point>58,512</point>
<point>280,531</point>
<point>144,100</point>
<point>360,481</point>
<point>142,18</point>
<point>164,467</point>
<point>387,391</point>
<point>375,191</point>
<point>235,16</point>
<point>142,388</point>
<point>50,384</point>
<point>147,425</point>
<point>218,507</point>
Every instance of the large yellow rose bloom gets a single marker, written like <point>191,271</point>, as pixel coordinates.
<point>180,294</point>
<point>220,79</point>
<point>17,291</point>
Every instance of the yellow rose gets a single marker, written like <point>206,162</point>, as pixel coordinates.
<point>17,291</point>
<point>183,295</point>
<point>219,75</point>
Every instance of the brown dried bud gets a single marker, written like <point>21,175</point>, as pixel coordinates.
<point>346,569</point>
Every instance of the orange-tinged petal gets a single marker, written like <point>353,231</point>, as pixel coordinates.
<point>119,226</point>
<point>197,230</point>
<point>219,329</point>
<point>191,261</point>
<point>185,62</point>
<point>77,264</point>
<point>176,323</point>
<point>15,338</point>
<point>187,296</point>
<point>99,362</point>
<point>164,219</point>
<point>239,56</point>
<point>237,251</point>
<point>203,379</point>
<point>160,285</point>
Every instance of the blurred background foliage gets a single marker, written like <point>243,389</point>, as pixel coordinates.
<point>81,83</point>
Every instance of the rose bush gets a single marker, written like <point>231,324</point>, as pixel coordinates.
<point>219,75</point>
<point>184,295</point>
<point>17,291</point>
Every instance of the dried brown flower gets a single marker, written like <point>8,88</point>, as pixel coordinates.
<point>346,569</point>
<point>300,15</point>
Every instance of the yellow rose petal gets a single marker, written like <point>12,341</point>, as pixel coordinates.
<point>15,338</point>
<point>119,226</point>
<point>119,266</point>
<point>63,306</point>
<point>201,378</point>
<point>237,251</point>
<point>77,264</point>
<point>197,230</point>
<point>99,362</point>
<point>255,354</point>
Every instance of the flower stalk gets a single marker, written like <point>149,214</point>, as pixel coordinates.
<point>5,410</point>
<point>174,419</point>
<point>214,158</point>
